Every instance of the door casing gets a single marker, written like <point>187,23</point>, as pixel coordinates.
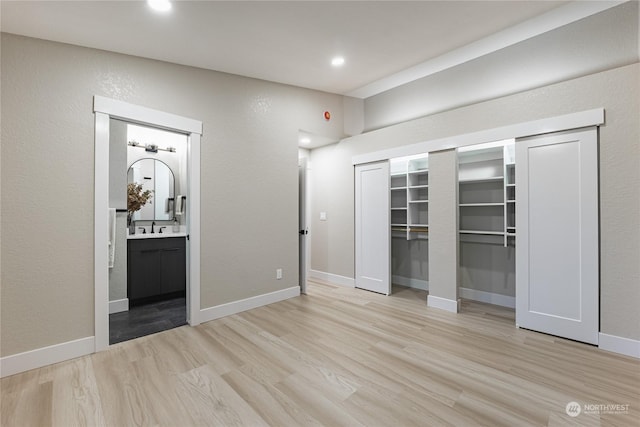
<point>104,110</point>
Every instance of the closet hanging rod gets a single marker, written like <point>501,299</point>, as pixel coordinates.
<point>419,229</point>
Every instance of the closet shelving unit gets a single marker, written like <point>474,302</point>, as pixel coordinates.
<point>410,198</point>
<point>486,195</point>
<point>509,195</point>
<point>398,202</point>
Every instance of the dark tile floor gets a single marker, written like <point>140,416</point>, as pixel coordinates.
<point>147,319</point>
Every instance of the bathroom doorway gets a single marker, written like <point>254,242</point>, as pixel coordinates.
<point>147,251</point>
<point>158,238</point>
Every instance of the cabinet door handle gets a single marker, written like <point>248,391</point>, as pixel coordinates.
<point>171,249</point>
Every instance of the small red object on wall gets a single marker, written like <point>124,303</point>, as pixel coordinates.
<point>327,115</point>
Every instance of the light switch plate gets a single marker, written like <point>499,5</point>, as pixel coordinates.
<point>323,216</point>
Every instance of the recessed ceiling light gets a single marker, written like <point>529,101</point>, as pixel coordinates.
<point>338,61</point>
<point>159,5</point>
<point>305,140</point>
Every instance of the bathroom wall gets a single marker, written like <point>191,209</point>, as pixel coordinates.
<point>249,192</point>
<point>176,161</point>
<point>121,157</point>
<point>118,274</point>
<point>117,164</point>
<point>118,200</point>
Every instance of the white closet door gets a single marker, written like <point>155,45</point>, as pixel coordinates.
<point>373,233</point>
<point>557,274</point>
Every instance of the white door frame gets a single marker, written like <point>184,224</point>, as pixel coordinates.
<point>303,223</point>
<point>105,109</point>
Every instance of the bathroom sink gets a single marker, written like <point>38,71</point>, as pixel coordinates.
<point>156,235</point>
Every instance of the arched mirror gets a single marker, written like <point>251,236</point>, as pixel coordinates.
<point>156,176</point>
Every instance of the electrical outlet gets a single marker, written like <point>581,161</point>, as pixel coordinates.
<point>279,273</point>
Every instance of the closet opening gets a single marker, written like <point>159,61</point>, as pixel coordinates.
<point>478,201</point>
<point>409,209</point>
<point>486,222</point>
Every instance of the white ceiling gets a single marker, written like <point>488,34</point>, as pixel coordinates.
<point>385,43</point>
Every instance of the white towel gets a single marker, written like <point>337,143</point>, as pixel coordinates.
<point>179,205</point>
<point>112,236</point>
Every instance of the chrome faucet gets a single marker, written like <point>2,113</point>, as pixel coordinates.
<point>152,225</point>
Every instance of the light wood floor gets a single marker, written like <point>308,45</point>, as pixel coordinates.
<point>336,356</point>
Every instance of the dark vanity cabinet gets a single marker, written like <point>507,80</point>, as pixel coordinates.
<point>156,268</point>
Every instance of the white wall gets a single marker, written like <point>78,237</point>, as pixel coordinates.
<point>118,274</point>
<point>249,167</point>
<point>118,200</point>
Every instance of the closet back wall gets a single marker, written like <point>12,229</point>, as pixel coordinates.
<point>249,166</point>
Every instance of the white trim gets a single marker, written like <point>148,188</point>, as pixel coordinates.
<point>21,362</point>
<point>450,305</point>
<point>193,229</point>
<point>488,297</point>
<point>144,115</point>
<point>101,231</point>
<point>234,307</point>
<point>546,22</point>
<point>334,279</point>
<point>581,119</point>
<point>410,282</point>
<point>620,345</point>
<point>118,305</point>
<point>104,109</point>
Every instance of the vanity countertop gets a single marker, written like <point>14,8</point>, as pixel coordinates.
<point>155,235</point>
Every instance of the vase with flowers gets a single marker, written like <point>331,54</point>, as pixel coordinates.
<point>136,199</point>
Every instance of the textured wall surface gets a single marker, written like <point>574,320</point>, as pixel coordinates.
<point>443,224</point>
<point>249,190</point>
<point>616,90</point>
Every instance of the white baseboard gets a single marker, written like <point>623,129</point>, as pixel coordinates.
<point>443,303</point>
<point>234,307</point>
<point>488,297</point>
<point>410,283</point>
<point>118,305</point>
<point>620,345</point>
<point>21,362</point>
<point>333,278</point>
